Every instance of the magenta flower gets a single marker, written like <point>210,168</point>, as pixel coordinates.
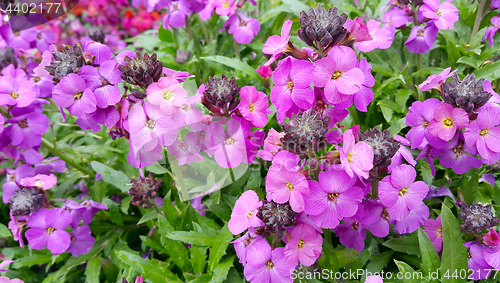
<point>332,198</point>
<point>381,38</point>
<point>285,185</point>
<point>356,158</point>
<point>476,260</point>
<point>359,31</point>
<point>447,120</point>
<point>168,94</point>
<point>415,219</point>
<point>400,193</point>
<point>395,17</point>
<point>188,115</point>
<point>421,38</point>
<point>230,150</point>
<point>374,279</point>
<point>276,45</point>
<point>4,264</point>
<point>244,213</point>
<point>41,181</point>
<point>81,241</point>
<point>376,219</point>
<point>47,229</point>
<point>103,82</point>
<point>26,130</point>
<point>484,132</point>
<point>71,92</point>
<point>491,30</point>
<point>16,227</point>
<point>419,116</point>
<point>187,150</point>
<point>435,81</point>
<point>242,28</point>
<point>455,155</point>
<point>225,7</point>
<point>338,74</point>
<point>444,15</point>
<point>491,238</point>
<point>101,51</point>
<point>434,230</point>
<point>292,83</point>
<point>17,91</point>
<point>304,245</point>
<point>4,279</point>
<point>352,233</point>
<point>254,106</point>
<point>365,94</point>
<point>176,16</point>
<point>244,243</point>
<point>265,265</point>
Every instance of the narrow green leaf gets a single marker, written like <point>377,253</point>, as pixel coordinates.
<point>454,257</point>
<point>112,176</point>
<point>148,216</point>
<point>192,238</point>
<point>489,72</point>
<point>93,270</point>
<point>408,273</point>
<point>407,245</point>
<point>177,251</point>
<point>430,258</point>
<point>296,6</point>
<point>222,269</point>
<point>4,231</point>
<point>470,184</point>
<point>154,270</point>
<point>219,247</point>
<point>234,63</point>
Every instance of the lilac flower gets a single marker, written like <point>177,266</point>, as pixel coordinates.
<point>139,157</point>
<point>230,150</point>
<point>415,219</point>
<point>81,241</point>
<point>491,30</point>
<point>444,15</point>
<point>244,243</point>
<point>188,115</point>
<point>434,230</point>
<point>352,233</point>
<point>265,265</point>
<point>365,94</point>
<point>244,214</point>
<point>276,45</point>
<point>176,16</point>
<point>402,152</point>
<point>47,230</point>
<point>93,207</point>
<point>304,245</point>
<point>455,155</point>
<point>376,219</point>
<point>484,133</point>
<point>20,92</point>
<point>71,93</point>
<point>187,150</point>
<point>400,193</point>
<point>101,52</point>
<point>103,82</point>
<point>225,7</point>
<point>419,116</point>
<point>332,198</point>
<point>286,185</point>
<point>292,83</point>
<point>447,120</point>
<point>435,81</point>
<point>338,74</point>
<point>381,38</point>
<point>254,106</point>
<point>476,259</point>
<point>168,94</point>
<point>395,17</point>
<point>356,158</point>
<point>421,38</point>
<point>196,204</point>
<point>242,28</point>
<point>41,181</point>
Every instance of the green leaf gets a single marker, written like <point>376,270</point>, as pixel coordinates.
<point>156,168</point>
<point>489,72</point>
<point>36,259</point>
<point>406,270</point>
<point>220,272</point>
<point>407,245</point>
<point>93,270</point>
<point>192,238</point>
<point>148,216</point>
<point>219,247</point>
<point>4,231</point>
<point>430,258</point>
<point>234,63</point>
<point>378,262</point>
<point>470,184</point>
<point>296,6</point>
<point>154,270</point>
<point>177,251</point>
<point>454,257</point>
<point>112,176</point>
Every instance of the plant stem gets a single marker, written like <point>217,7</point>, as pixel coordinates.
<point>205,31</point>
<point>179,180</point>
<point>375,188</point>
<point>47,145</point>
<point>479,18</point>
<point>236,49</point>
<point>188,28</point>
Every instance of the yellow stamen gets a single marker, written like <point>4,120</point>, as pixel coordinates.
<point>483,132</point>
<point>290,85</point>
<point>289,186</point>
<point>336,75</point>
<point>402,192</point>
<point>448,122</point>
<point>168,95</point>
<point>301,243</point>
<point>14,95</point>
<point>251,107</point>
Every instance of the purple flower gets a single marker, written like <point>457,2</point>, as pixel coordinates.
<point>81,241</point>
<point>455,155</point>
<point>101,52</point>
<point>400,193</point>
<point>447,120</point>
<point>352,233</point>
<point>4,264</point>
<point>225,7</point>
<point>276,45</point>
<point>244,243</point>
<point>71,92</point>
<point>187,150</point>
<point>26,130</point>
<point>376,219</point>
<point>230,149</point>
<point>41,181</point>
<point>196,204</point>
<point>332,198</point>
<point>338,74</point>
<point>47,229</point>
<point>176,16</point>
<point>476,260</point>
<point>242,28</point>
<point>16,227</point>
<point>484,133</point>
<point>168,94</point>
<point>421,38</point>
<point>254,106</point>
<point>292,83</point>
<point>435,81</point>
<point>419,116</point>
<point>356,158</point>
<point>491,30</point>
<point>415,219</point>
<point>444,15</point>
<point>434,230</point>
<point>381,38</point>
<point>365,94</point>
<point>286,185</point>
<point>4,279</point>
<point>265,265</point>
<point>103,82</point>
<point>17,91</point>
<point>395,17</point>
<point>93,207</point>
<point>304,245</point>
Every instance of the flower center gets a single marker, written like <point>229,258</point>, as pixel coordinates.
<point>420,32</point>
<point>151,124</point>
<point>243,23</point>
<point>50,230</point>
<point>290,85</point>
<point>483,132</point>
<point>78,95</point>
<point>251,107</point>
<point>185,107</point>
<point>333,196</point>
<point>301,243</point>
<point>402,192</point>
<point>458,150</point>
<point>270,264</point>
<point>183,146</point>
<point>385,214</point>
<point>230,141</point>
<point>289,186</point>
<point>439,231</point>
<point>14,95</point>
<point>355,225</point>
<point>448,122</point>
<point>438,12</point>
<point>349,157</point>
<point>226,5</point>
<point>168,95</point>
<point>23,124</point>
<point>250,214</point>
<point>39,183</point>
<point>336,75</point>
<point>426,124</point>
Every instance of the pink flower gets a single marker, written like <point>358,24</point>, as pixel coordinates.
<point>4,264</point>
<point>447,120</point>
<point>187,150</point>
<point>395,17</point>
<point>477,259</point>
<point>419,116</point>
<point>168,94</point>
<point>381,38</point>
<point>434,230</point>
<point>305,245</point>
<point>188,115</point>
<point>244,243</point>
<point>435,81</point>
<point>242,28</point>
<point>17,91</point>
<point>254,106</point>
<point>272,144</point>
<point>374,279</point>
<point>400,193</point>
<point>484,133</point>
<point>356,158</point>
<point>421,38</point>
<point>491,238</point>
<point>491,30</point>
<point>16,227</point>
<point>4,279</point>
<point>41,181</point>
<point>332,198</point>
<point>443,15</point>
<point>230,150</point>
<point>244,213</point>
<point>358,29</point>
<point>265,71</point>
<point>276,45</point>
<point>338,74</point>
<point>224,7</point>
<point>265,265</point>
